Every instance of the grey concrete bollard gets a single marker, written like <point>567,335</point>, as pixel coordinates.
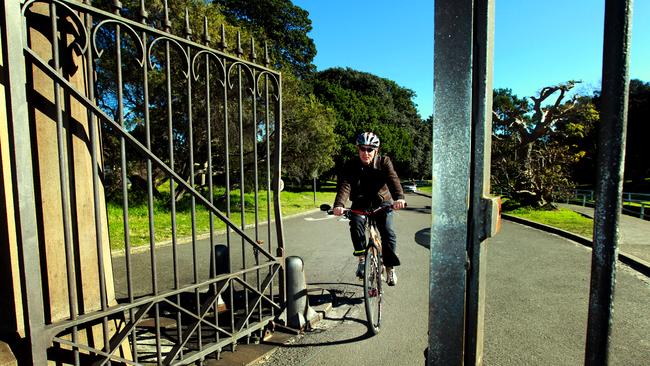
<point>297,311</point>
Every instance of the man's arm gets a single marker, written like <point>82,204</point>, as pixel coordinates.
<point>343,188</point>
<point>392,180</point>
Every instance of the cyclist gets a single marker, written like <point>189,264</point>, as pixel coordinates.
<point>370,182</point>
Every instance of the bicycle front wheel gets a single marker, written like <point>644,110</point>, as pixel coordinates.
<point>372,292</point>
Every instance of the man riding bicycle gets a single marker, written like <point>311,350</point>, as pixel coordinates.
<point>370,182</point>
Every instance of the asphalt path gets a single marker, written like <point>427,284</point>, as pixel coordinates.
<point>536,306</point>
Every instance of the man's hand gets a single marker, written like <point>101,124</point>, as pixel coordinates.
<point>399,204</point>
<point>338,211</point>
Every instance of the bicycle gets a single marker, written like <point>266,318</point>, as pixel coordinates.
<point>372,277</point>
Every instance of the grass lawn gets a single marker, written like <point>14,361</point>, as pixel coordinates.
<point>292,202</point>
<point>424,186</point>
<point>561,218</point>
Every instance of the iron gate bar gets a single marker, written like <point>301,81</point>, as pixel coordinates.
<point>172,187</point>
<point>482,59</point>
<point>92,350</point>
<point>64,182</point>
<point>94,160</point>
<point>213,269</point>
<point>451,152</point>
<point>609,186</point>
<point>46,68</point>
<point>91,10</point>
<point>118,338</point>
<point>258,75</point>
<point>63,177</point>
<point>191,328</point>
<point>57,327</point>
<point>26,228</point>
<point>194,356</point>
<point>147,124</point>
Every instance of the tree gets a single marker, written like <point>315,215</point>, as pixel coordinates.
<point>285,24</point>
<point>532,141</point>
<point>305,119</point>
<point>309,142</point>
<point>637,167</point>
<point>366,102</point>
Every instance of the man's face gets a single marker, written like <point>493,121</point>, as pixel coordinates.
<point>366,153</point>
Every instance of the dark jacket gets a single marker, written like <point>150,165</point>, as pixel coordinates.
<point>368,186</point>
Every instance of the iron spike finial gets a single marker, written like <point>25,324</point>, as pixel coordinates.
<point>206,34</point>
<point>188,30</point>
<point>144,15</point>
<point>267,61</point>
<point>223,44</point>
<point>117,6</point>
<point>168,23</point>
<point>253,55</point>
<point>240,51</point>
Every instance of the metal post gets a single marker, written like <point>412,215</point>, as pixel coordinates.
<point>642,213</point>
<point>314,191</point>
<point>451,151</point>
<point>483,209</point>
<point>611,153</point>
<point>22,158</point>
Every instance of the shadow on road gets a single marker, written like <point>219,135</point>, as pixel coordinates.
<point>424,210</point>
<point>423,237</point>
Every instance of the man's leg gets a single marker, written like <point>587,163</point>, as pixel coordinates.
<point>388,240</point>
<point>358,236</point>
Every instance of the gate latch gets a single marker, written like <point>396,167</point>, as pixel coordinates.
<point>491,216</point>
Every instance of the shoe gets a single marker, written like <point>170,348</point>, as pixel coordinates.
<point>361,269</point>
<point>392,276</point>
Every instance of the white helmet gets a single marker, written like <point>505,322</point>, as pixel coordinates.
<point>368,138</point>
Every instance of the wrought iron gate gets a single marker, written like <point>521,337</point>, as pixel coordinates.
<point>120,106</point>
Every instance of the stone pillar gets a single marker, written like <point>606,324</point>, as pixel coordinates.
<point>11,319</point>
<point>83,233</point>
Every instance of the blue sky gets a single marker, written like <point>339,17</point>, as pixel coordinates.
<point>537,43</point>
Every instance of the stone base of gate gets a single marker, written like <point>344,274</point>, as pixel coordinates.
<point>7,357</point>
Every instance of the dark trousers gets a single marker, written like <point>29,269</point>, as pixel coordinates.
<point>388,237</point>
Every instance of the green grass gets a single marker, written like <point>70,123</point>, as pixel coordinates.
<point>425,188</point>
<point>561,218</point>
<point>138,215</point>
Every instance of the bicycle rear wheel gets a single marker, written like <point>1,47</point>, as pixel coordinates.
<point>372,292</point>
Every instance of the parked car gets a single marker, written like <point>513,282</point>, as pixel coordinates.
<point>409,187</point>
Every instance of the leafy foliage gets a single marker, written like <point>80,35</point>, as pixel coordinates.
<point>309,142</point>
<point>536,143</point>
<point>365,102</point>
<point>285,24</point>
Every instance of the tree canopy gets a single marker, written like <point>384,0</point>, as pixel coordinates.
<point>534,143</point>
<point>366,102</point>
<point>281,22</point>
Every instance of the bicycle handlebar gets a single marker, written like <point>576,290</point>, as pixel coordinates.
<point>348,211</point>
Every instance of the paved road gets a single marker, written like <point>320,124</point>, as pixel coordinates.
<point>634,233</point>
<point>536,309</point>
